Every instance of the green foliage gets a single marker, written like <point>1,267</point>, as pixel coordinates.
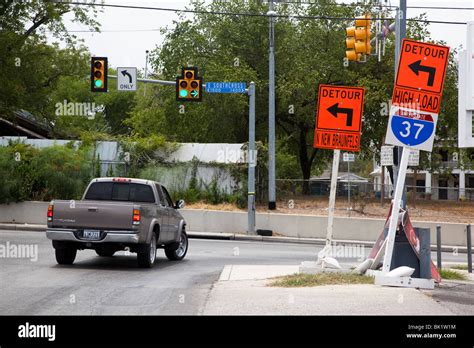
<point>30,66</point>
<point>145,150</point>
<point>451,274</point>
<point>59,172</point>
<point>97,167</point>
<point>213,194</point>
<point>308,52</point>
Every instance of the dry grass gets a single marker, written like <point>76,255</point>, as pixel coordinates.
<point>326,278</point>
<point>437,211</point>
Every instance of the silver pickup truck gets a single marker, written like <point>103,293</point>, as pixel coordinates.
<point>118,214</point>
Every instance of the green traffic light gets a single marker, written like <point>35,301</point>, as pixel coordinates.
<point>98,83</point>
<point>183,93</point>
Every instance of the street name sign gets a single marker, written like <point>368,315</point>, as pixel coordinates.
<point>226,87</point>
<point>339,117</point>
<point>348,157</point>
<point>127,79</point>
<point>416,98</point>
<point>386,156</point>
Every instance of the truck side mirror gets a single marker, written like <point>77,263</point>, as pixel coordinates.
<point>179,204</point>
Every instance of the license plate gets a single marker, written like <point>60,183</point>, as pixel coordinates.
<point>91,234</point>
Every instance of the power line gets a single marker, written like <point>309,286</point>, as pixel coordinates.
<point>383,6</point>
<point>245,14</point>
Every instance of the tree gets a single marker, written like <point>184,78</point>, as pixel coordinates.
<point>30,67</point>
<point>308,52</point>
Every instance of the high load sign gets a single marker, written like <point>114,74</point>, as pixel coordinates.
<point>339,118</point>
<point>416,99</point>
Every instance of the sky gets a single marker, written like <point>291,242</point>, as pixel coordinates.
<point>126,49</point>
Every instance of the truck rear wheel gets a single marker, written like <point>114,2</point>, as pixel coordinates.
<point>177,254</point>
<point>147,254</point>
<point>66,256</point>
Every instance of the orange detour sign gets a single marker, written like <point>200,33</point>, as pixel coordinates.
<point>422,66</point>
<point>339,118</point>
<point>416,99</point>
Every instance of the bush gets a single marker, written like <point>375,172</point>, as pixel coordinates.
<point>27,173</point>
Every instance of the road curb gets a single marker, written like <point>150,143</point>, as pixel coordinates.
<point>210,235</point>
<point>23,227</point>
<point>243,237</point>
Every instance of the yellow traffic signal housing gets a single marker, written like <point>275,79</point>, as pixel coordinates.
<point>189,85</point>
<point>358,39</point>
<point>99,67</point>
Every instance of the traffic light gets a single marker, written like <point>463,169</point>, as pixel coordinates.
<point>358,39</point>
<point>99,74</point>
<point>189,85</point>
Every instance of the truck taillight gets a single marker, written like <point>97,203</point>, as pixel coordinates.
<point>50,212</point>
<point>136,216</point>
<point>121,180</point>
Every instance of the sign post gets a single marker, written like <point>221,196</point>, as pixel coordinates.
<point>241,87</point>
<point>415,107</point>
<point>348,157</point>
<point>338,127</point>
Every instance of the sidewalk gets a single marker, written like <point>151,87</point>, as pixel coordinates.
<point>243,290</point>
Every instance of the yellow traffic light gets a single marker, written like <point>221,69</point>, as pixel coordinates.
<point>189,85</point>
<point>358,39</point>
<point>99,74</point>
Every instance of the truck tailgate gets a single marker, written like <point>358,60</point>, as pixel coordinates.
<point>93,215</point>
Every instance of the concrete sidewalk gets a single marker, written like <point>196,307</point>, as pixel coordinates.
<point>243,290</point>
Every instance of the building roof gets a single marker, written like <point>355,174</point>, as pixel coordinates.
<point>342,177</point>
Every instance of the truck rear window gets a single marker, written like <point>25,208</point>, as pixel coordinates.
<point>113,191</point>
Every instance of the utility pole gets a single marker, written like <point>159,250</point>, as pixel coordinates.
<point>400,34</point>
<point>271,109</point>
<point>146,70</point>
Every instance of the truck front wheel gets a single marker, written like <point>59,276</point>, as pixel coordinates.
<point>146,255</point>
<point>66,256</point>
<point>178,253</point>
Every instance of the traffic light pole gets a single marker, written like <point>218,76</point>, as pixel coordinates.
<point>158,82</point>
<point>252,154</point>
<point>400,34</point>
<point>271,109</point>
<point>251,160</point>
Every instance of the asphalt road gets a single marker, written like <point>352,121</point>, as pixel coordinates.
<point>115,285</point>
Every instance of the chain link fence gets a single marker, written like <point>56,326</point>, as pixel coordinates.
<point>292,188</point>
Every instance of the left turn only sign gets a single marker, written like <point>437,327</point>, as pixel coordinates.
<point>127,79</point>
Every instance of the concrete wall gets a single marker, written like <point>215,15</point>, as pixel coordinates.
<point>303,226</point>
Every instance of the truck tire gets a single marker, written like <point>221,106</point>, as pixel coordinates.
<point>147,254</point>
<point>178,253</point>
<point>105,252</point>
<point>65,256</point>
